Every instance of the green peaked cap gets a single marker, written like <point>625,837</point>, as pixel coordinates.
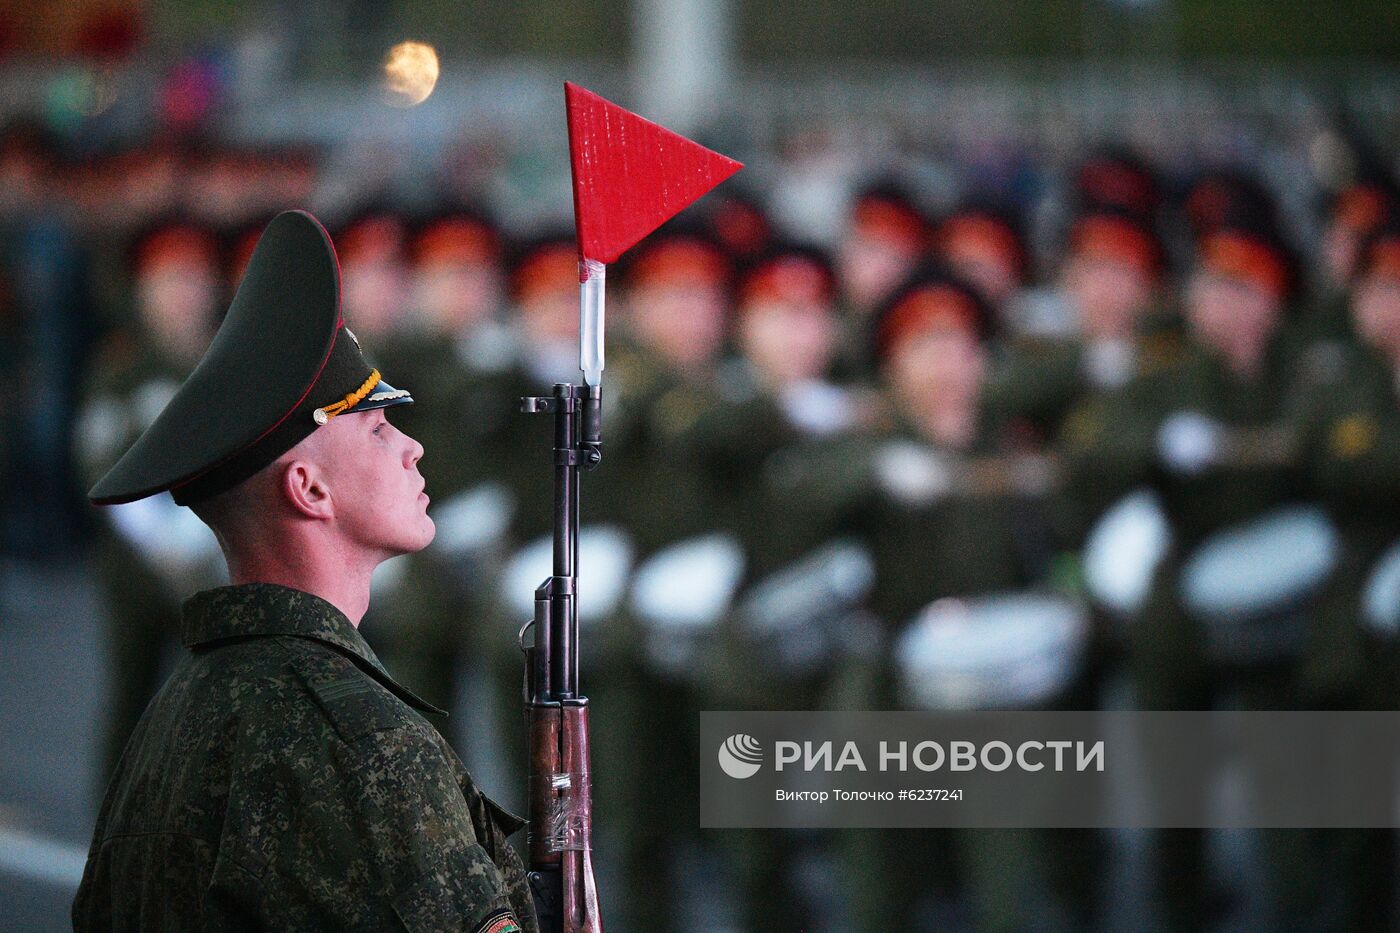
<point>282,363</point>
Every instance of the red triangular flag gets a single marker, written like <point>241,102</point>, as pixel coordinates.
<point>630,175</point>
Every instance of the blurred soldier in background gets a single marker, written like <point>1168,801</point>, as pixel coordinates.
<point>1349,444</point>
<point>673,312</point>
<point>371,249</point>
<point>777,393</point>
<point>1345,442</point>
<point>778,408</point>
<point>984,246</point>
<point>1356,213</point>
<point>943,477</point>
<point>454,343</point>
<point>1202,433</point>
<point>885,239</point>
<point>544,292</point>
<point>673,316</point>
<point>458,295</point>
<point>1110,280</point>
<point>151,552</point>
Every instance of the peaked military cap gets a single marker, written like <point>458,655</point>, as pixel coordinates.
<point>282,364</point>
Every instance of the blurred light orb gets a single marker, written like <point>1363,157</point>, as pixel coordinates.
<point>410,73</point>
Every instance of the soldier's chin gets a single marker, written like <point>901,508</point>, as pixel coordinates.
<point>411,542</point>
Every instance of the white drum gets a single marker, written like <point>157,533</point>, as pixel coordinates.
<point>1002,651</point>
<point>1124,550</point>
<point>679,595</point>
<point>796,618</point>
<point>1249,583</point>
<point>605,556</point>
<point>1380,600</point>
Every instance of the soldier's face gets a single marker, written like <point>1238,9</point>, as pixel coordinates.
<point>788,340</point>
<point>1233,315</point>
<point>987,270</point>
<point>683,321</point>
<point>1340,244</point>
<point>456,297</point>
<point>1109,295</point>
<point>176,303</point>
<point>372,293</point>
<point>937,368</point>
<point>550,315</point>
<point>1375,307</point>
<point>870,268</point>
<point>371,468</point>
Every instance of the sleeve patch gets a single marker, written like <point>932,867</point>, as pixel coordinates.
<point>1353,436</point>
<point>501,922</point>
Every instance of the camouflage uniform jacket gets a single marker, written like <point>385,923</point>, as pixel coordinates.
<point>282,780</point>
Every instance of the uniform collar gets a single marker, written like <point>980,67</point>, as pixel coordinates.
<point>264,610</point>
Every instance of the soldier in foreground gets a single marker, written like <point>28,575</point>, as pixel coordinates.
<point>281,779</point>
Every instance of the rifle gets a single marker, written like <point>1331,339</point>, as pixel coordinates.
<point>629,176</point>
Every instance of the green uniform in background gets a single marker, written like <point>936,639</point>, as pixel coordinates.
<point>644,719</point>
<point>310,792</point>
<point>432,613</point>
<point>125,391</point>
<point>1115,442</point>
<point>647,481</point>
<point>1349,442</point>
<point>746,449</point>
<point>1349,434</point>
<point>918,509</point>
<point>1036,383</point>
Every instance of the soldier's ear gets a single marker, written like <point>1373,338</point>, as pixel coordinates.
<point>304,488</point>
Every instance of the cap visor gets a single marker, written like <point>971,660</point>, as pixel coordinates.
<point>382,396</point>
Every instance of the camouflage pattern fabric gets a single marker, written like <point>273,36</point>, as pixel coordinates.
<point>282,780</point>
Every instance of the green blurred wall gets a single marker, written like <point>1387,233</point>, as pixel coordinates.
<point>338,34</point>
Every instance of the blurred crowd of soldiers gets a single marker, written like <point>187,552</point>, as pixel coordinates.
<point>921,469</point>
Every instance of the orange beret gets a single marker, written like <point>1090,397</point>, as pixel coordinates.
<point>456,240</point>
<point>548,268</point>
<point>679,261</point>
<point>1362,207</point>
<point>178,244</point>
<point>926,308</point>
<point>890,221</point>
<point>986,233</point>
<point>1238,255</point>
<point>1104,236</point>
<point>371,239</point>
<point>1383,256</point>
<point>787,276</point>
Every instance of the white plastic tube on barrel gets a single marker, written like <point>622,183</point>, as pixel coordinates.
<point>592,276</point>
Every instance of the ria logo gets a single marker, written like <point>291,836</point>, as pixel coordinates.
<point>740,756</point>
